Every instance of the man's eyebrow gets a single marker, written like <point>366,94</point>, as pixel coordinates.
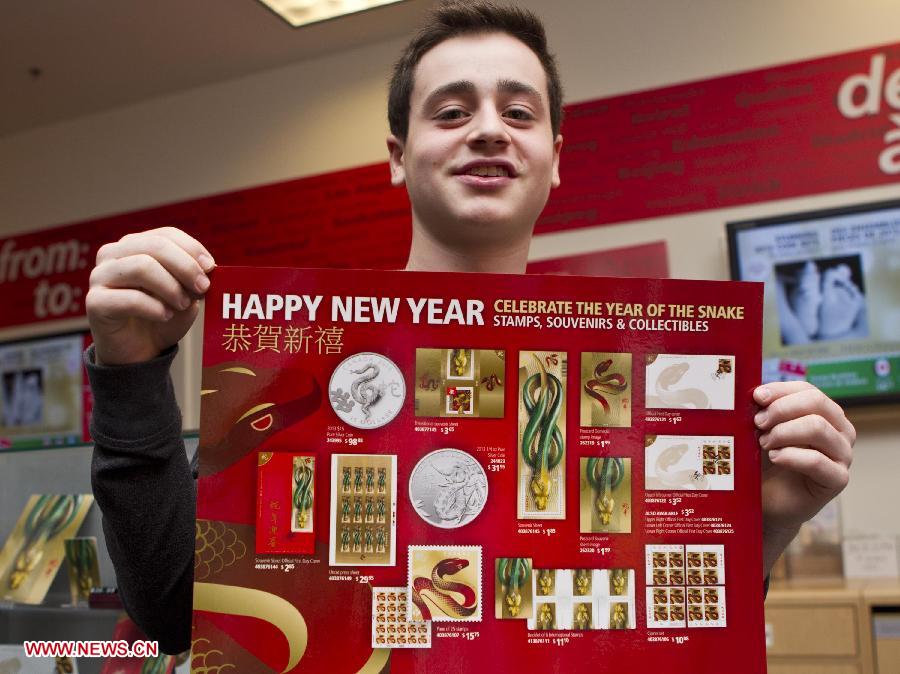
<point>467,88</point>
<point>517,87</point>
<point>460,87</point>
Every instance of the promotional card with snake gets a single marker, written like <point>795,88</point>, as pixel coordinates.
<point>35,549</point>
<point>428,472</point>
<point>284,503</point>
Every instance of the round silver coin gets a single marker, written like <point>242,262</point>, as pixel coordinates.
<point>366,390</point>
<point>448,488</point>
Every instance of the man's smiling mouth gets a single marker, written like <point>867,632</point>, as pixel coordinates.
<point>488,171</point>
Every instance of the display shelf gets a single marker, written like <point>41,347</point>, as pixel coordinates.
<point>12,607</point>
<point>827,627</point>
<point>56,470</point>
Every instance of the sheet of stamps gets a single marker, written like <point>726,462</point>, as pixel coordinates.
<point>390,627</point>
<point>460,382</point>
<point>584,599</point>
<point>686,586</point>
<point>363,510</point>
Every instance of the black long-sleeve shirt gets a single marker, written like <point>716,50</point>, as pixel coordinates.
<point>147,494</point>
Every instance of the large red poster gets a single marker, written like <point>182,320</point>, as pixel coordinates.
<point>817,126</point>
<point>430,472</point>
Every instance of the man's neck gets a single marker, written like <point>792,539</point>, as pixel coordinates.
<point>428,254</point>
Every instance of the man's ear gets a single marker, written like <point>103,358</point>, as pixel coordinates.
<point>557,147</point>
<point>395,150</point>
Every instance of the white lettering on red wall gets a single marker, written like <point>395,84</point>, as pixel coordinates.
<point>861,95</point>
<point>51,300</point>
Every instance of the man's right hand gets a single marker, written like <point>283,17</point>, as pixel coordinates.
<point>144,294</point>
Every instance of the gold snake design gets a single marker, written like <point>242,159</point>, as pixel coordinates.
<point>442,600</point>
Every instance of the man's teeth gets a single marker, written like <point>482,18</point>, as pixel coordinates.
<point>489,171</point>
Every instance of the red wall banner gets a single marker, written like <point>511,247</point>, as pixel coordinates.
<point>807,128</point>
<point>818,126</point>
<point>351,218</point>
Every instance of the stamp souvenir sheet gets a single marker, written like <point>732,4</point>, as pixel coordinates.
<point>429,472</point>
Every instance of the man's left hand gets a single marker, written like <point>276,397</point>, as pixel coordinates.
<point>807,444</point>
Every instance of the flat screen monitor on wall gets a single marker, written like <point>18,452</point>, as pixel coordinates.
<point>832,297</point>
<point>43,398</point>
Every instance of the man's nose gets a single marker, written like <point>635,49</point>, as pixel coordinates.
<point>488,129</point>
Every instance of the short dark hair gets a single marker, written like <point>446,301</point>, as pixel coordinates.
<point>453,18</point>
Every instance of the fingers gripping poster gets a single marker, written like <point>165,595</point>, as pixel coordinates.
<point>411,472</point>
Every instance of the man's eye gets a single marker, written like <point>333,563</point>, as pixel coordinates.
<point>450,114</point>
<point>519,114</point>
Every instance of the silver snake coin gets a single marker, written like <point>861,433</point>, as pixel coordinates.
<point>366,390</point>
<point>448,488</point>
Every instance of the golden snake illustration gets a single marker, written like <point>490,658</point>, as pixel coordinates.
<point>442,600</point>
<point>303,493</point>
<point>81,554</point>
<point>604,475</point>
<point>460,361</point>
<point>49,516</point>
<point>601,383</point>
<point>512,573</point>
<point>542,441</point>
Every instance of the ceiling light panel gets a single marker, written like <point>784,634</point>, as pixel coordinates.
<point>303,12</point>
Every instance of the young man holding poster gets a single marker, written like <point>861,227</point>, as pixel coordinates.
<point>475,110</point>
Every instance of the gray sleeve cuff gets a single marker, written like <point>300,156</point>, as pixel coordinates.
<point>133,404</point>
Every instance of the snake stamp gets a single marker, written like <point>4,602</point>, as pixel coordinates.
<point>302,492</point>
<point>460,383</point>
<point>366,390</point>
<point>444,583</point>
<point>605,487</point>
<point>513,588</point>
<point>606,390</point>
<point>689,382</point>
<point>541,492</point>
<point>680,462</point>
<point>583,599</point>
<point>390,628</point>
<point>363,520</point>
<point>448,488</point>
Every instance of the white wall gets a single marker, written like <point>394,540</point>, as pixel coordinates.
<point>327,114</point>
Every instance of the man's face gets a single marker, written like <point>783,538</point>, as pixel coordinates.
<point>480,157</point>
